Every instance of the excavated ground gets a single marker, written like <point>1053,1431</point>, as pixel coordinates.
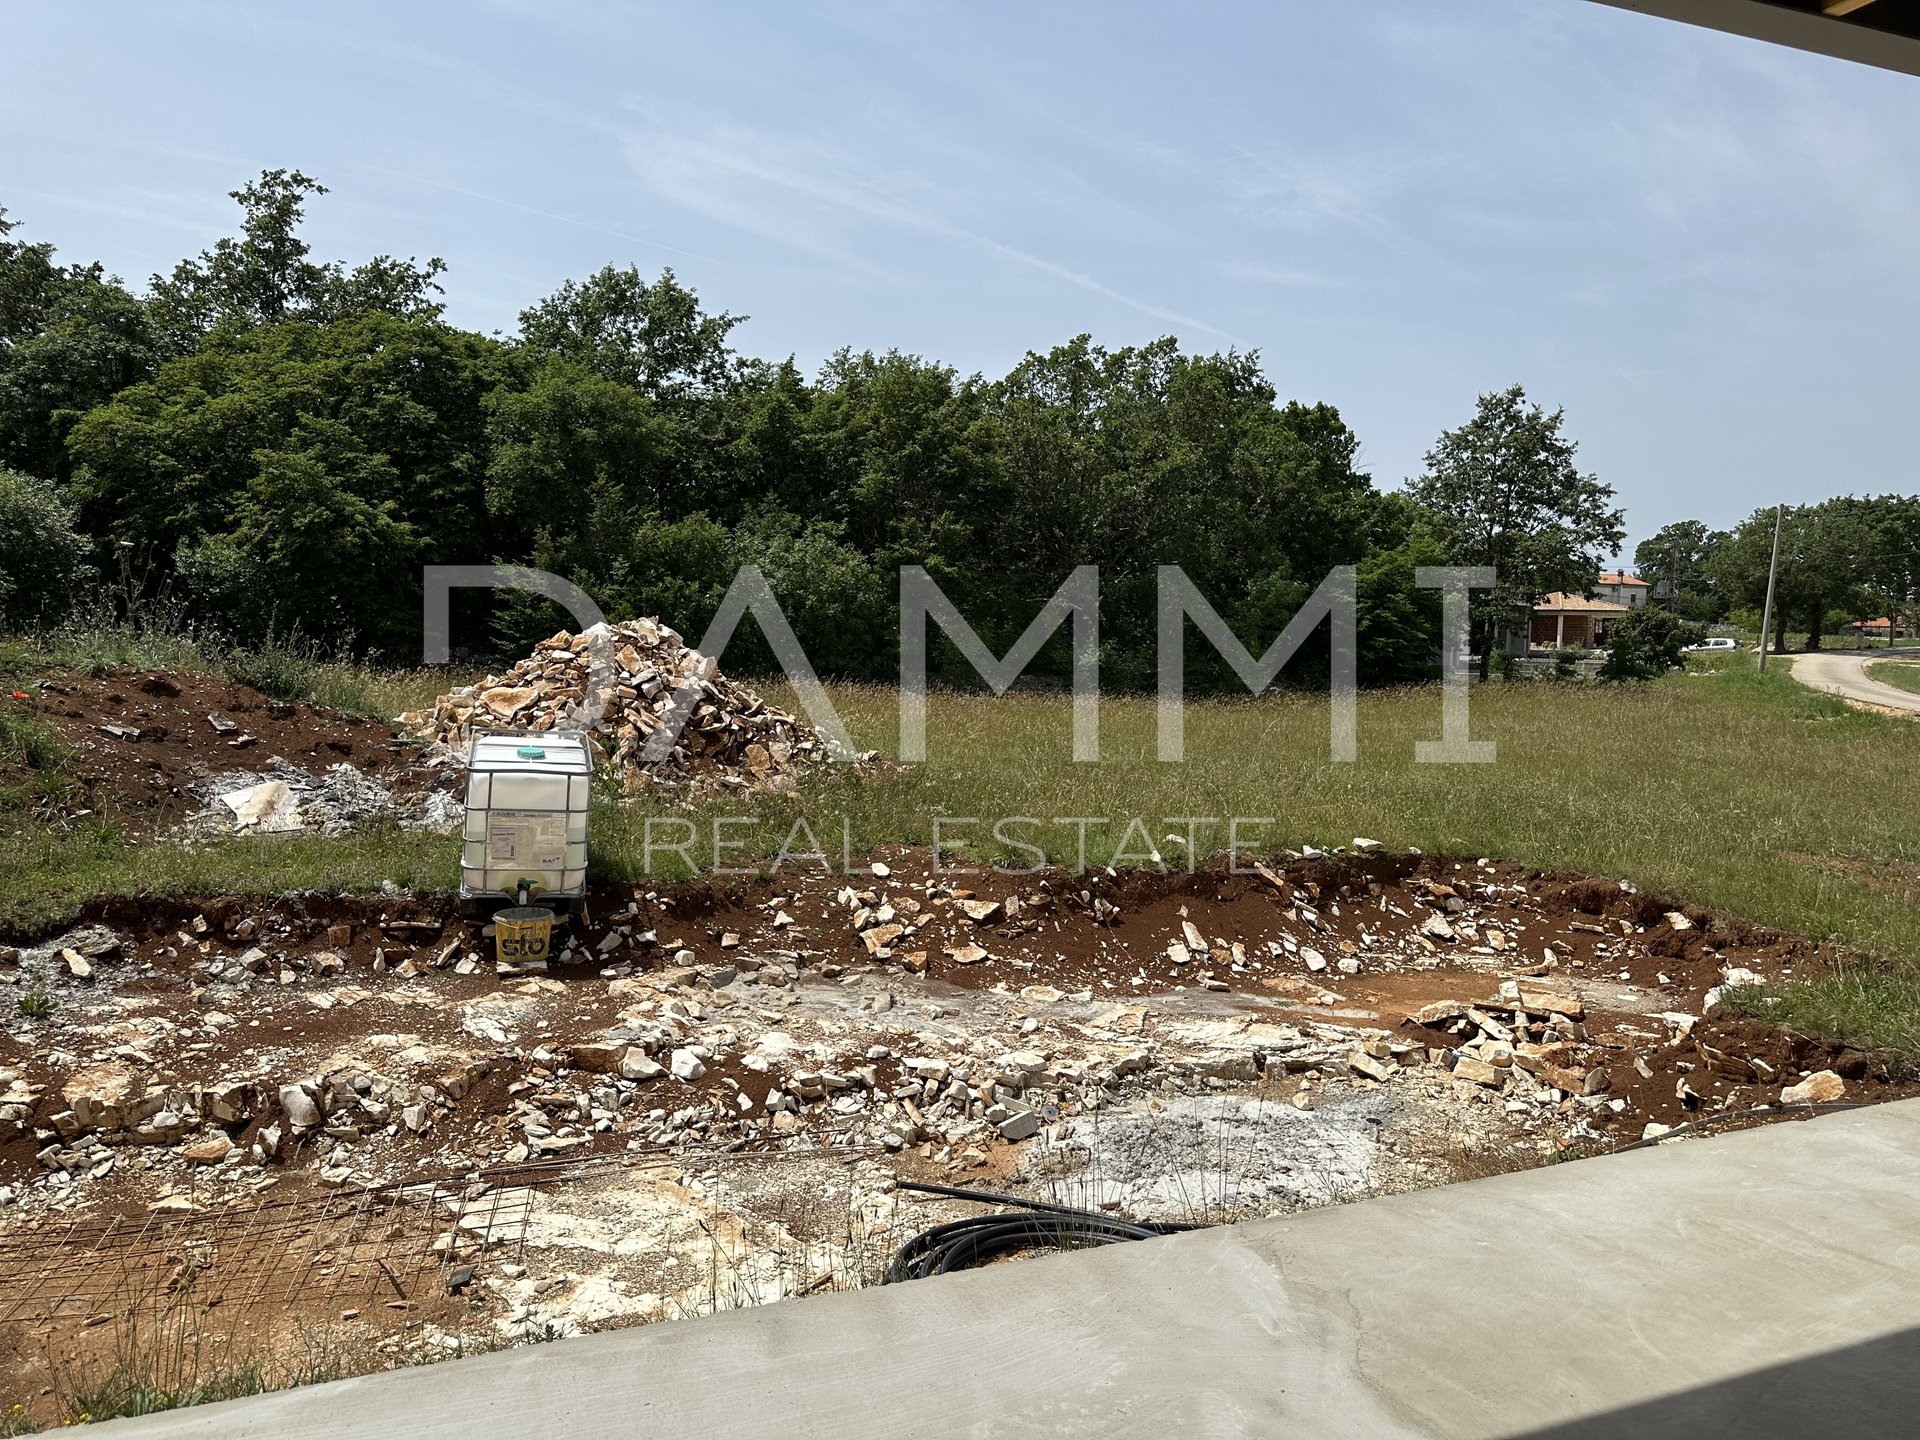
<point>151,749</point>
<point>321,1134</point>
<point>253,1117</point>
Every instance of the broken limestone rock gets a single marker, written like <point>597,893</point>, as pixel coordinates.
<point>637,1065</point>
<point>1020,1125</point>
<point>268,807</point>
<point>210,1151</point>
<point>731,737</point>
<point>298,1107</point>
<point>1362,1063</point>
<point>1823,1087</point>
<point>1466,1067</point>
<point>597,1058</point>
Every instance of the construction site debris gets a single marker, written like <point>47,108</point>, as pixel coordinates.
<point>623,684</point>
<point>1158,1046</point>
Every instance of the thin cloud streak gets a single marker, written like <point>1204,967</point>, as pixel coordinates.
<point>751,179</point>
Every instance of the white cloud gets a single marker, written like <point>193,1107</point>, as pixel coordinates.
<point>822,198</point>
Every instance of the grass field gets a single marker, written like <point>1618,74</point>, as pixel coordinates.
<point>1903,674</point>
<point>1748,793</point>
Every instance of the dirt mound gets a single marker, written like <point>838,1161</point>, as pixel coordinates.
<point>145,744</point>
<point>635,671</point>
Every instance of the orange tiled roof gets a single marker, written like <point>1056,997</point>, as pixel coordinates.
<point>1622,578</point>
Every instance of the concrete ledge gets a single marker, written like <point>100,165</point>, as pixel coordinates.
<point>1763,1283</point>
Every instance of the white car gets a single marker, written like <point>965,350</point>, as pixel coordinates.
<point>1716,642</point>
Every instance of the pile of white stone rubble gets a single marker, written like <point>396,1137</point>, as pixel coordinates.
<point>732,738</point>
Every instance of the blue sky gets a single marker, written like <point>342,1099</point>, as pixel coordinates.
<point>1706,249</point>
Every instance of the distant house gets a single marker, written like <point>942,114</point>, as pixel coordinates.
<point>1561,620</point>
<point>1620,588</point>
<point>1881,629</point>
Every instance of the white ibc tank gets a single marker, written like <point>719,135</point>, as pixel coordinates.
<point>526,817</point>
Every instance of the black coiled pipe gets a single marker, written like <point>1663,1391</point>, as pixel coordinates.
<point>1037,1225</point>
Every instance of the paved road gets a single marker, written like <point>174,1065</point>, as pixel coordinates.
<point>1762,1284</point>
<point>1846,675</point>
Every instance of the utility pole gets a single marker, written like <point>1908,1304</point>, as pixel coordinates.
<point>1773,574</point>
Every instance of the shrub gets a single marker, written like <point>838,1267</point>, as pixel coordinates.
<point>1647,643</point>
<point>43,555</point>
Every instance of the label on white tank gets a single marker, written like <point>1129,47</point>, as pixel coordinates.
<point>529,839</point>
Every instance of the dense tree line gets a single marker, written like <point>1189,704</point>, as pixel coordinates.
<point>1845,559</point>
<point>283,443</point>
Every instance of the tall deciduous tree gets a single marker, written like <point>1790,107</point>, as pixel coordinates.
<point>266,275</point>
<point>70,337</point>
<point>652,336</point>
<point>1677,561</point>
<point>1818,572</point>
<point>1887,562</point>
<point>1507,490</point>
<point>316,545</point>
<point>167,463</point>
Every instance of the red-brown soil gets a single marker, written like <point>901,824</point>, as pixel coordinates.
<point>1057,945</point>
<point>136,774</point>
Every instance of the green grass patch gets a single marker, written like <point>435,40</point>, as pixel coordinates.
<point>25,739</point>
<point>53,872</point>
<point>1734,789</point>
<point>161,1363</point>
<point>98,648</point>
<point>285,668</point>
<point>33,763</point>
<point>1873,1007</point>
<point>1746,792</point>
<point>353,687</point>
<point>1901,674</point>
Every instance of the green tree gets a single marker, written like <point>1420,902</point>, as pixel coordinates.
<point>1678,559</point>
<point>772,448</point>
<point>290,438</point>
<point>316,546</point>
<point>1821,573</point>
<point>265,275</point>
<point>1508,494</point>
<point>560,447</point>
<point>43,555</point>
<point>654,337</point>
<point>1138,457</point>
<point>1399,629</point>
<point>633,561</point>
<point>70,338</point>
<point>834,596</point>
<point>1887,561</point>
<point>163,461</point>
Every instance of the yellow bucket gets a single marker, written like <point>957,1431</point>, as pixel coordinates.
<point>521,934</point>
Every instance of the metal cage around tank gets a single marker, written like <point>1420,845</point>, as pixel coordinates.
<point>525,826</point>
